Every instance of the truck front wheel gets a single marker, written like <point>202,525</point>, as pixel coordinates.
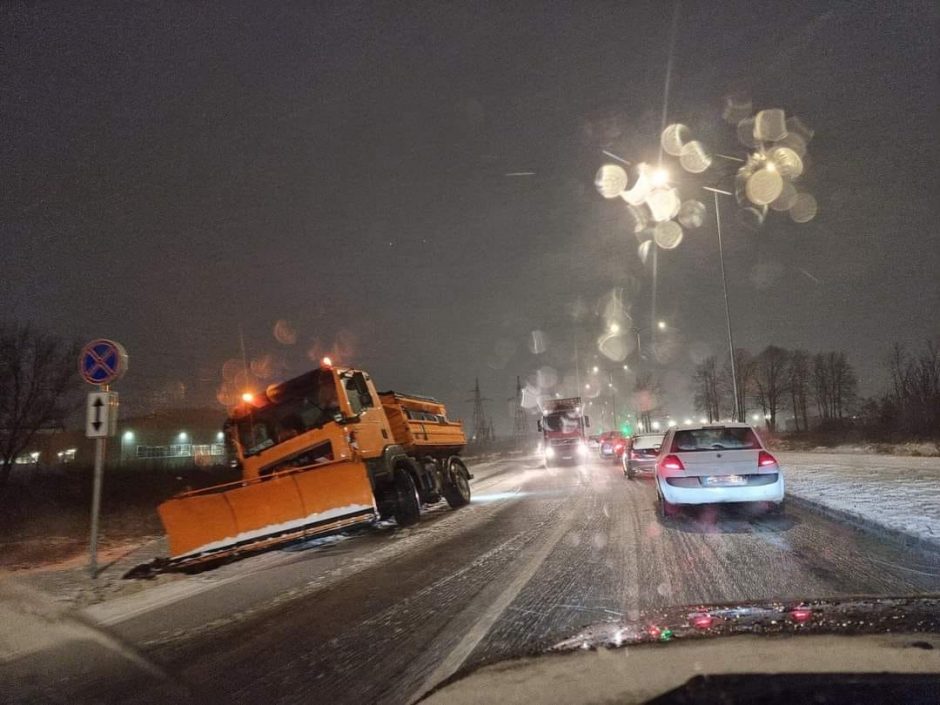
<point>407,505</point>
<point>457,484</point>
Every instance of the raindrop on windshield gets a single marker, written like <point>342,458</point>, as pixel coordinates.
<point>736,109</point>
<point>664,204</point>
<point>537,342</point>
<point>694,158</point>
<point>692,214</point>
<point>786,199</point>
<point>668,235</point>
<point>804,208</point>
<point>770,125</point>
<point>764,186</point>
<point>787,161</point>
<point>611,180</point>
<point>746,132</point>
<point>285,333</point>
<point>673,138</point>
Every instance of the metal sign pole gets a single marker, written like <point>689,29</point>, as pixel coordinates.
<point>100,447</point>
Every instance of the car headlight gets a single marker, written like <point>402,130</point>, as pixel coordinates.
<point>582,448</point>
<point>549,452</point>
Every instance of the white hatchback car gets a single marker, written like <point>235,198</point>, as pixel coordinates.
<point>711,464</point>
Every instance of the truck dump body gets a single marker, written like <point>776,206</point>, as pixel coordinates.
<point>420,425</point>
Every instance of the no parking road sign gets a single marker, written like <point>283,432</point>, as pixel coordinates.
<point>102,361</point>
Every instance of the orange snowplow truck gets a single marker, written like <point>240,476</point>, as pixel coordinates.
<point>319,453</point>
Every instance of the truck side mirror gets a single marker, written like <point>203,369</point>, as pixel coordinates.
<point>587,421</point>
<point>538,425</point>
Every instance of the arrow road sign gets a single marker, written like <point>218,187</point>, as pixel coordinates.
<point>102,361</point>
<point>101,419</point>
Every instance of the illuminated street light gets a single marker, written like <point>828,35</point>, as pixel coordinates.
<point>595,369</point>
<point>655,425</point>
<point>587,386</point>
<point>614,327</point>
<point>661,325</point>
<point>626,368</point>
<point>220,436</point>
<point>659,177</point>
<point>183,436</point>
<point>248,397</point>
<point>128,435</point>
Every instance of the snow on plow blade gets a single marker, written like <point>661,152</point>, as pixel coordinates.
<point>274,509</point>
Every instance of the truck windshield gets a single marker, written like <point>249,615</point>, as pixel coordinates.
<point>562,422</point>
<point>299,405</point>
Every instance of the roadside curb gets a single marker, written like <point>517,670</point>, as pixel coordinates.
<point>859,523</point>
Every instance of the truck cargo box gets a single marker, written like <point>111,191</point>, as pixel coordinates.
<point>420,425</point>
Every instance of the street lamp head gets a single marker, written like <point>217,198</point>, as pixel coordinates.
<point>128,435</point>
<point>659,177</point>
<point>661,325</point>
<point>614,327</point>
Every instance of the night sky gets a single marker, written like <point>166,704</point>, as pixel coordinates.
<point>173,173</point>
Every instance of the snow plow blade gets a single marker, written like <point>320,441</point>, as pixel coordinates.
<point>256,514</point>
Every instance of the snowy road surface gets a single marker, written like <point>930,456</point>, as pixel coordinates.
<point>385,615</point>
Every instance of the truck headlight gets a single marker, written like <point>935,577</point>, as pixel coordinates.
<point>582,448</point>
<point>549,452</point>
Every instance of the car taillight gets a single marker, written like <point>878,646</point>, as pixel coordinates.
<point>671,462</point>
<point>619,446</point>
<point>764,459</point>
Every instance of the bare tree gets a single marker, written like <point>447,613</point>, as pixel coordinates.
<point>915,394</point>
<point>37,373</point>
<point>646,394</point>
<point>744,365</point>
<point>770,381</point>
<point>707,383</point>
<point>798,379</point>
<point>835,385</point>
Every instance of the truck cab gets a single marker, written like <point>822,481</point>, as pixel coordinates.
<point>564,428</point>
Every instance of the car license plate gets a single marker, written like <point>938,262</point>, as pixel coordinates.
<point>725,480</point>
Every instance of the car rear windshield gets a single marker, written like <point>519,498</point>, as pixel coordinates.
<point>701,439</point>
<point>641,442</point>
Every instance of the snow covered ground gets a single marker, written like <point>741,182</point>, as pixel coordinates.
<point>899,493</point>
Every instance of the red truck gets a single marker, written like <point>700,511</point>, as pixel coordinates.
<point>563,426</point>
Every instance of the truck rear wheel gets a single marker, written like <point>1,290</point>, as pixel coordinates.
<point>457,484</point>
<point>407,509</point>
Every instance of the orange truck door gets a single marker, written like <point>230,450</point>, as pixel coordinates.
<point>372,430</point>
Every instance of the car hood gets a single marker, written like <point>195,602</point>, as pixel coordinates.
<point>855,615</point>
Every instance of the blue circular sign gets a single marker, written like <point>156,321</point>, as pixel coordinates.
<point>102,361</point>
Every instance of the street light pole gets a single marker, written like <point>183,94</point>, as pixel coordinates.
<point>724,288</point>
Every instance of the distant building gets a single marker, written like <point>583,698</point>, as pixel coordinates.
<point>166,438</point>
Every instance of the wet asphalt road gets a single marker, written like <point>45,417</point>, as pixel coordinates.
<point>539,554</point>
